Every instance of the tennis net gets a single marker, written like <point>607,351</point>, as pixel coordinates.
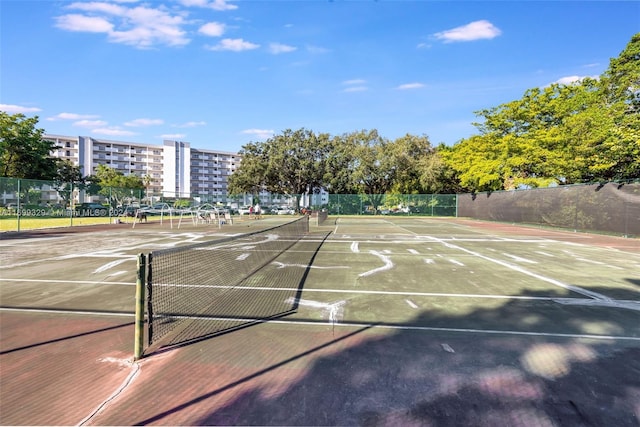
<point>200,290</point>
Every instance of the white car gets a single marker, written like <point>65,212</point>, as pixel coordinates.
<point>244,210</point>
<point>285,211</point>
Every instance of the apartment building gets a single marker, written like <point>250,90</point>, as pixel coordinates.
<point>173,169</point>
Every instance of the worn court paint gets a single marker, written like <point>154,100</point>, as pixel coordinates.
<point>519,259</point>
<point>243,256</point>
<point>456,262</point>
<point>355,248</point>
<point>545,254</point>
<point>413,251</point>
<point>429,261</point>
<point>315,267</point>
<point>334,309</point>
<point>109,265</point>
<point>133,374</point>
<point>388,264</point>
<point>411,303</point>
<point>446,347</point>
<point>118,273</point>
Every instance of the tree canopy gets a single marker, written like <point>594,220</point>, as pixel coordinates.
<point>580,132</point>
<point>23,151</point>
<point>114,185</point>
<point>561,134</point>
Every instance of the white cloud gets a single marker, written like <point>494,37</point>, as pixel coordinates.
<point>235,45</point>
<point>317,49</point>
<point>98,7</point>
<point>144,122</point>
<point>112,131</point>
<point>259,133</point>
<point>277,48</point>
<point>355,85</point>
<point>138,26</point>
<point>191,124</point>
<point>82,23</point>
<point>15,109</point>
<point>408,86</point>
<point>220,5</point>
<point>172,136</point>
<point>573,79</point>
<point>72,116</point>
<point>90,123</point>
<point>473,31</point>
<point>356,89</point>
<point>212,29</point>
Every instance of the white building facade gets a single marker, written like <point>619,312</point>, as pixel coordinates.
<point>172,169</point>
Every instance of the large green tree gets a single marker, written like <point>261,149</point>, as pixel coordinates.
<point>68,179</point>
<point>562,134</point>
<point>115,185</point>
<point>23,151</point>
<point>409,154</point>
<point>291,163</point>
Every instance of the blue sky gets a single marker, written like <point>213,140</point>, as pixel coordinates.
<point>220,74</point>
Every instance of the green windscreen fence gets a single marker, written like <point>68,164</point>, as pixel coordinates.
<point>608,207</point>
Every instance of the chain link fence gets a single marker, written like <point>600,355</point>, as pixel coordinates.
<point>607,207</point>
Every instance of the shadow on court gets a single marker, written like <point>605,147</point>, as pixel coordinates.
<point>366,376</point>
<point>439,368</point>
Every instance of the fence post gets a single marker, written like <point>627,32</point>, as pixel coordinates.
<point>71,206</point>
<point>457,201</point>
<point>140,300</point>
<point>18,211</point>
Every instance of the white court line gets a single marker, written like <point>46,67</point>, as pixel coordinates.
<point>628,304</point>
<point>456,262</point>
<point>362,325</point>
<point>80,312</point>
<point>413,251</point>
<point>67,282</point>
<point>545,254</point>
<point>367,292</point>
<point>519,259</point>
<point>519,269</point>
<point>354,247</point>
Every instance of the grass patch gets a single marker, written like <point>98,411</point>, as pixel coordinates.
<point>13,223</point>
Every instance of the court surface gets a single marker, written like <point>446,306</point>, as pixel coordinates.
<point>397,321</point>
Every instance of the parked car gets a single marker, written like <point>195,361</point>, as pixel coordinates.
<point>244,210</point>
<point>286,211</point>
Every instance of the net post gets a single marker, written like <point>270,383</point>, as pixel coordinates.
<point>140,299</point>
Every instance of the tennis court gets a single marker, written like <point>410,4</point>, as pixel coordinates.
<point>362,321</point>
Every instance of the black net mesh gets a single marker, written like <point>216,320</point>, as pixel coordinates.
<point>199,290</point>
